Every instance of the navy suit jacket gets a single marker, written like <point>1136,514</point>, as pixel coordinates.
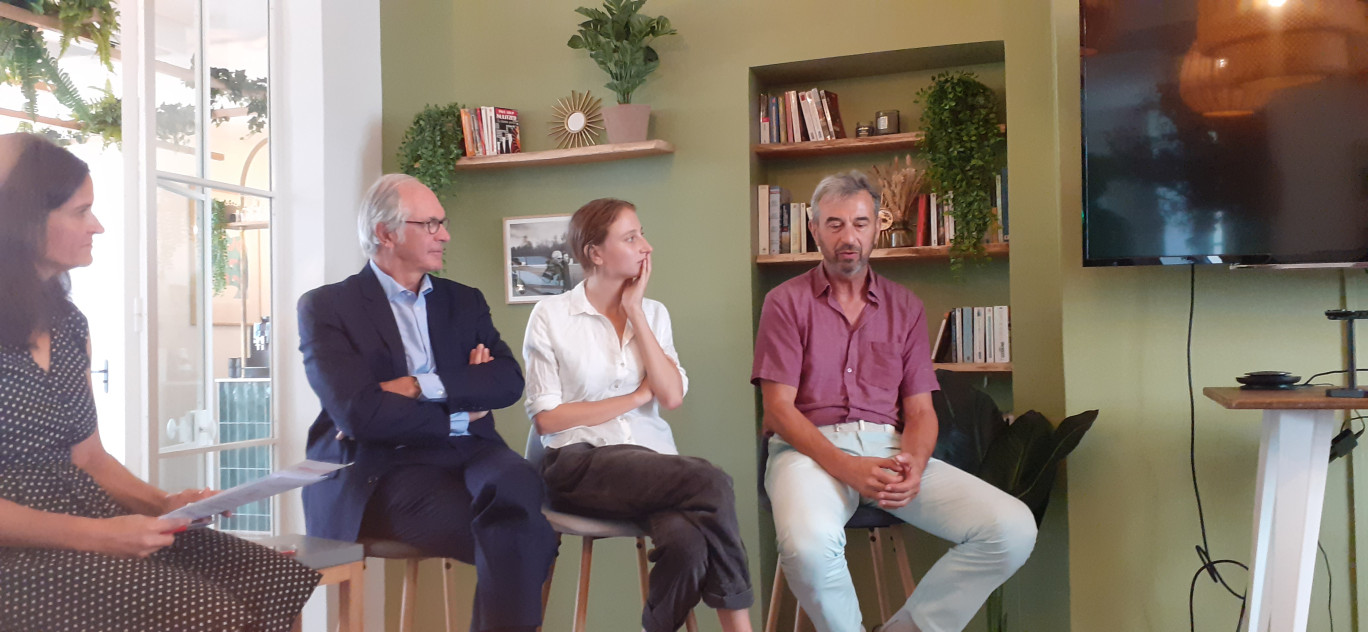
<point>351,344</point>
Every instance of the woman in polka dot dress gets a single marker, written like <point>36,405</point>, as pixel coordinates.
<point>80,545</point>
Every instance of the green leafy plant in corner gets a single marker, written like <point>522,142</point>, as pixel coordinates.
<point>1022,460</point>
<point>432,144</point>
<point>618,39</point>
<point>960,122</point>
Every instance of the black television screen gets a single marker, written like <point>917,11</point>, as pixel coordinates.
<point>1225,131</point>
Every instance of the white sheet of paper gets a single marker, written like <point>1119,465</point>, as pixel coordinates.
<point>303,473</point>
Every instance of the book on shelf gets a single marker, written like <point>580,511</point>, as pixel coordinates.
<point>974,335</point>
<point>506,133</point>
<point>794,116</point>
<point>762,219</point>
<point>490,131</point>
<point>785,219</point>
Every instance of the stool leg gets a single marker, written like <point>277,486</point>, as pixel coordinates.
<point>691,623</point>
<point>642,569</point>
<point>550,573</point>
<point>776,599</point>
<point>876,552</point>
<point>798,618</point>
<point>351,596</point>
<point>900,552</point>
<point>582,595</point>
<point>410,595</point>
<point>448,593</point>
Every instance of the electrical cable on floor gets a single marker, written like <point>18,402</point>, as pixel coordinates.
<point>1329,587</point>
<point>1208,565</point>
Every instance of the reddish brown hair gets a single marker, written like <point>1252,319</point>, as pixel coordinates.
<point>589,227</point>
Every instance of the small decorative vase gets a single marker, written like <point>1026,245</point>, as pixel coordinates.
<point>627,123</point>
<point>901,236</point>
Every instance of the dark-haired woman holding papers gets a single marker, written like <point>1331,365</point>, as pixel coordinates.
<point>81,546</point>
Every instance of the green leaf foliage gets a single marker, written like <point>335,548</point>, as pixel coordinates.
<point>618,39</point>
<point>218,243</point>
<point>432,144</point>
<point>1023,458</point>
<point>238,90</point>
<point>960,121</point>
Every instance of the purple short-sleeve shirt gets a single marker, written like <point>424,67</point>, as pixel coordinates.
<point>844,373</point>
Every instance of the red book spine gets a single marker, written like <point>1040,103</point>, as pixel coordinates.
<point>923,227</point>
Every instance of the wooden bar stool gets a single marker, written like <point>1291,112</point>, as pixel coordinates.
<point>341,563</point>
<point>881,526</point>
<point>392,550</point>
<point>589,530</point>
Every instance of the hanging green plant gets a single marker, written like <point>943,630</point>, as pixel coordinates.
<point>232,88</point>
<point>432,144</point>
<point>960,123</point>
<point>218,244</point>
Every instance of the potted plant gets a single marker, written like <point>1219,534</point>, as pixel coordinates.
<point>431,145</point>
<point>618,39</point>
<point>960,123</point>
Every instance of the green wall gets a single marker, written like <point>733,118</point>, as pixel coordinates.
<point>1116,338</point>
<point>1110,339</point>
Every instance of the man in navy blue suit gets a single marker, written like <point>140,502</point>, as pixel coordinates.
<point>407,367</point>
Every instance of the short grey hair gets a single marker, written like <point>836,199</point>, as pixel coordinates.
<point>382,205</point>
<point>840,186</point>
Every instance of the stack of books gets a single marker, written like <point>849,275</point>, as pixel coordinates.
<point>974,334</point>
<point>935,227</point>
<point>490,131</point>
<point>782,223</point>
<point>796,116</point>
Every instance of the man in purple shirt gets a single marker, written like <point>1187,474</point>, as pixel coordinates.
<point>843,363</point>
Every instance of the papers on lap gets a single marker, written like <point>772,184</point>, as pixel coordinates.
<point>304,473</point>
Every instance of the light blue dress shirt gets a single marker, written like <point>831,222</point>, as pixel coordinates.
<point>410,314</point>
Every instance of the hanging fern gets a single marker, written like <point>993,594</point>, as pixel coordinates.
<point>960,122</point>
<point>238,90</point>
<point>431,145</point>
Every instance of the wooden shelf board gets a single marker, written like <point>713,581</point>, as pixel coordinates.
<point>813,148</point>
<point>578,155</point>
<point>883,254</point>
<point>881,63</point>
<point>976,367</point>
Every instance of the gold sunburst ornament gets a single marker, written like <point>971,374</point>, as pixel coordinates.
<point>577,120</point>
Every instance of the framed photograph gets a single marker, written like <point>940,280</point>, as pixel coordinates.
<point>537,261</point>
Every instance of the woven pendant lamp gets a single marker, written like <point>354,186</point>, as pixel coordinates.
<point>1268,45</point>
<point>1205,87</point>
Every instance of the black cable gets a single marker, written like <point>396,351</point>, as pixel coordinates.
<point>1329,587</point>
<point>1203,551</point>
<point>1192,591</point>
<point>1308,380</point>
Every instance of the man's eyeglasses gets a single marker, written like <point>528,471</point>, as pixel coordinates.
<point>432,225</point>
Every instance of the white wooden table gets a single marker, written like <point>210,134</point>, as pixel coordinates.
<point>1294,456</point>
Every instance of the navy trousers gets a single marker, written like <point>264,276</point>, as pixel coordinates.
<point>479,503</point>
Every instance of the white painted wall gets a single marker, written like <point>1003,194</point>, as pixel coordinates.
<point>327,122</point>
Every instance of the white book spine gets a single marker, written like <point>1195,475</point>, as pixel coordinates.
<point>762,220</point>
<point>934,213</point>
<point>774,208</point>
<point>1003,339</point>
<point>979,340</point>
<point>989,337</point>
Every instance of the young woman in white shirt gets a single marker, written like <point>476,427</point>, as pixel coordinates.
<point>600,363</point>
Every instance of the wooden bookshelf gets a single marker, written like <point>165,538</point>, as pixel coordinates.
<point>841,146</point>
<point>837,147</point>
<point>576,156</point>
<point>976,367</point>
<point>929,253</point>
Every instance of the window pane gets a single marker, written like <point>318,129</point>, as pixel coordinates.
<point>177,324</point>
<point>225,470</point>
<point>177,82</point>
<point>237,47</point>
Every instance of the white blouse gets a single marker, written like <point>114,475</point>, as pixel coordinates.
<point>571,353</point>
